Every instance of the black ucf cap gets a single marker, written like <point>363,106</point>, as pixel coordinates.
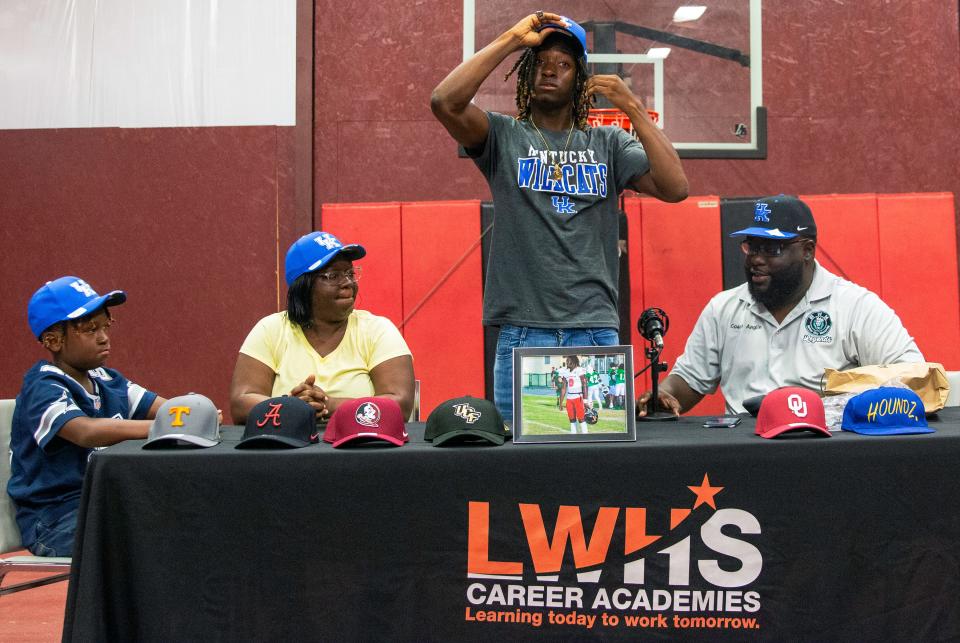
<point>465,420</point>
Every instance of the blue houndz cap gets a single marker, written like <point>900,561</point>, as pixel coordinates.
<point>315,250</point>
<point>66,298</point>
<point>886,410</point>
<point>780,217</point>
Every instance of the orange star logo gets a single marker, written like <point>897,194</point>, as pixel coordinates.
<point>705,493</point>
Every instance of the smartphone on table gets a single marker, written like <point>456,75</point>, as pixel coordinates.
<point>721,422</point>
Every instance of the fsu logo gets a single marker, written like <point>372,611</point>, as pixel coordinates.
<point>818,323</point>
<point>368,414</point>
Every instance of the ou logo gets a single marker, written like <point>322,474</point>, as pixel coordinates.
<point>796,404</point>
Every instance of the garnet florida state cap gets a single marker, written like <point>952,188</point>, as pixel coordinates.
<point>789,409</point>
<point>366,419</point>
<point>285,422</point>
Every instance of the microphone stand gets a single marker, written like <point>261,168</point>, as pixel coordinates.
<point>656,367</point>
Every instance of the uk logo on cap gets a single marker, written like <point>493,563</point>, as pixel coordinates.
<point>761,213</point>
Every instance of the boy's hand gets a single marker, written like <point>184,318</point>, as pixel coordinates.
<point>531,31</point>
<point>612,87</point>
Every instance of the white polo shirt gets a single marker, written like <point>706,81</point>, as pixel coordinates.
<point>738,345</point>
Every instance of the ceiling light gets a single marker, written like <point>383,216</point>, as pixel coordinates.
<point>687,13</point>
<point>658,52</point>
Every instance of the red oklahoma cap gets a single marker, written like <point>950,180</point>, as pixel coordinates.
<point>367,418</point>
<point>791,408</point>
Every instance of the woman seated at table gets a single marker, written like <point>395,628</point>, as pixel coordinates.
<point>321,349</point>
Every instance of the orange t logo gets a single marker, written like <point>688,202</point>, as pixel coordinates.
<point>178,412</point>
<point>274,415</point>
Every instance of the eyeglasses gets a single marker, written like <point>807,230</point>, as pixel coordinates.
<point>91,329</point>
<point>336,277</point>
<point>752,247</point>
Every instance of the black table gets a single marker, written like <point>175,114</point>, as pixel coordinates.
<point>843,538</point>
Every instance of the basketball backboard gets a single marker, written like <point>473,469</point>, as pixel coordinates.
<point>697,65</point>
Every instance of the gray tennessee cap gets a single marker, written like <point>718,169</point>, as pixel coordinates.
<point>190,419</point>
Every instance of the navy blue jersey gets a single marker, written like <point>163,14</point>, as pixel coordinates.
<point>47,470</point>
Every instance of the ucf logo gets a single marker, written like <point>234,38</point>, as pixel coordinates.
<point>466,412</point>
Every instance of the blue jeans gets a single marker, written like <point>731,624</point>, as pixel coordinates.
<point>53,532</point>
<point>519,336</point>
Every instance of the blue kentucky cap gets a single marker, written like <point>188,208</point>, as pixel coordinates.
<point>315,250</point>
<point>886,410</point>
<point>780,217</point>
<point>66,298</point>
<point>572,28</point>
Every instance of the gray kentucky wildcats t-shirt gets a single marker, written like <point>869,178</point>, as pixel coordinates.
<point>553,258</point>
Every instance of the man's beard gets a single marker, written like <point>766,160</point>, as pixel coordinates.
<point>782,287</point>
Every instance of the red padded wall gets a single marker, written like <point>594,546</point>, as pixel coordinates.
<point>675,264</point>
<point>848,241</point>
<point>375,226</point>
<point>441,271</point>
<point>918,261</point>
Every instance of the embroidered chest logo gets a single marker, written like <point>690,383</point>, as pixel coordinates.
<point>368,414</point>
<point>818,323</point>
<point>466,412</point>
<point>563,205</point>
<point>761,213</point>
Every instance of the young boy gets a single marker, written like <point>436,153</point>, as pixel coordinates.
<point>68,407</point>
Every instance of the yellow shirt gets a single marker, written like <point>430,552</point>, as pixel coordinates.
<point>369,340</point>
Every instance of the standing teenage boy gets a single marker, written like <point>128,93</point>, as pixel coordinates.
<point>68,406</point>
<point>552,275</point>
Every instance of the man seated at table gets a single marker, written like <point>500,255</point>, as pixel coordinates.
<point>790,320</point>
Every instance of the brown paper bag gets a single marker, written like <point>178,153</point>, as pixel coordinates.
<point>926,379</point>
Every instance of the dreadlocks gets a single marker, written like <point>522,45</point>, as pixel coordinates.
<point>526,67</point>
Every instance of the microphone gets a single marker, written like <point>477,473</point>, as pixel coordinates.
<point>653,325</point>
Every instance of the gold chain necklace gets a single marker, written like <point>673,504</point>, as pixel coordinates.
<point>557,174</point>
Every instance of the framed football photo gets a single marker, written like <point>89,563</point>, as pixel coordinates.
<point>573,394</point>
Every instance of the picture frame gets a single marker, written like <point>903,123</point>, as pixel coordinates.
<point>545,394</point>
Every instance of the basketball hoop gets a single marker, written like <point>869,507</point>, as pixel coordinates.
<point>617,118</point>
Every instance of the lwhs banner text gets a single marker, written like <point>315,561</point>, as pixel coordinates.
<point>707,562</point>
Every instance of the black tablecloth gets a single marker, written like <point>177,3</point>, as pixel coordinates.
<point>843,538</point>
